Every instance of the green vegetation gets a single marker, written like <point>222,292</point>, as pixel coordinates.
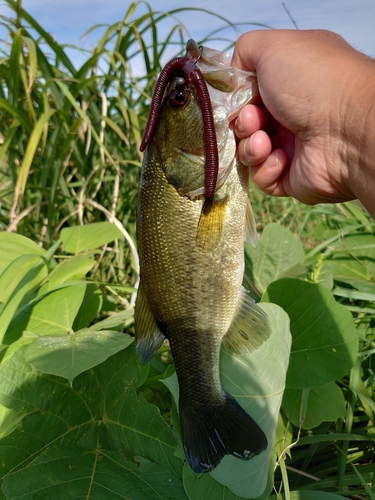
<point>80,416</point>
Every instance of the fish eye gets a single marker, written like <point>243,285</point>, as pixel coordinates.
<point>179,97</point>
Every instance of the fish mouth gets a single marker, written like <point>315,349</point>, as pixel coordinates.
<point>227,85</point>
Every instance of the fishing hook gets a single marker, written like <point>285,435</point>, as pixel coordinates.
<point>195,76</point>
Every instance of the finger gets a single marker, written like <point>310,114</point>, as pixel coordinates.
<point>269,176</point>
<point>254,149</point>
<point>247,51</point>
<point>250,119</point>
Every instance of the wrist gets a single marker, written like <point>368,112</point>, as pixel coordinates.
<point>357,134</point>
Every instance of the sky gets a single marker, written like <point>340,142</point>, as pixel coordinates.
<point>68,20</point>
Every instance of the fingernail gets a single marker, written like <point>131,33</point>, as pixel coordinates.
<point>240,127</point>
<point>248,147</point>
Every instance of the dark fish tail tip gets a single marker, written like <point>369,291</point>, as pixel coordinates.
<point>210,434</point>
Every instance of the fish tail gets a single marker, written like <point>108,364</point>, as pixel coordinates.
<point>212,432</point>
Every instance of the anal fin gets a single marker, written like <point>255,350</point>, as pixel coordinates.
<point>249,329</point>
<point>148,337</point>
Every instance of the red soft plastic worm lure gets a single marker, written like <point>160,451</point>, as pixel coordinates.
<point>194,75</point>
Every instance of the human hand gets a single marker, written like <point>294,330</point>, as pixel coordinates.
<point>305,137</point>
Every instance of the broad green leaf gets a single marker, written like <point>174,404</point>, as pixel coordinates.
<point>90,306</point>
<point>69,355</point>
<point>278,254</point>
<point>204,487</point>
<point>27,270</point>
<point>101,415</point>
<point>257,382</point>
<point>27,338</point>
<point>9,420</point>
<point>135,426</point>
<point>92,474</point>
<point>21,276</point>
<point>53,314</point>
<point>81,238</point>
<point>324,404</point>
<point>13,245</point>
<point>325,341</point>
<point>71,269</point>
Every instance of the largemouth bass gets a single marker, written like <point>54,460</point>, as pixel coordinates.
<point>191,257</point>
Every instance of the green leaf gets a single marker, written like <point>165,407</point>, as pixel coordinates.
<point>100,415</point>
<point>71,269</point>
<point>353,259</point>
<point>324,404</point>
<point>205,487</point>
<point>52,314</point>
<point>81,238</point>
<point>370,492</point>
<point>90,306</point>
<point>26,271</point>
<point>114,320</point>
<point>354,294</point>
<point>9,420</point>
<point>21,276</point>
<point>13,245</point>
<point>30,151</point>
<point>69,355</point>
<point>278,254</point>
<point>257,382</point>
<point>325,341</point>
<point>110,477</point>
<point>17,112</point>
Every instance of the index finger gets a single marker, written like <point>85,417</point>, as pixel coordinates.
<point>247,50</point>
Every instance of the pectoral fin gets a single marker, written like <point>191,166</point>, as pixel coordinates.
<point>210,223</point>
<point>148,337</point>
<point>250,328</point>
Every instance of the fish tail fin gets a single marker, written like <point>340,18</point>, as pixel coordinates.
<point>212,432</point>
